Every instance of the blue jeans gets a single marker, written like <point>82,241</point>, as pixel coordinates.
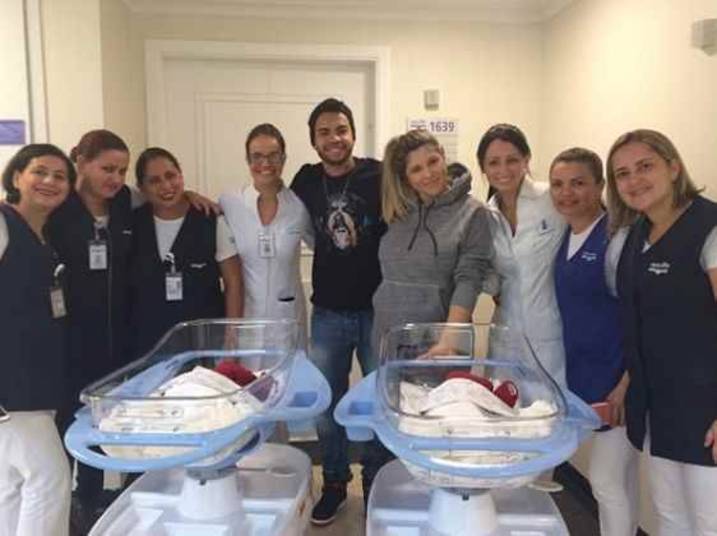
<point>334,337</point>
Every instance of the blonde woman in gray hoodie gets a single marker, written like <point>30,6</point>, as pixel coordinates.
<point>438,247</point>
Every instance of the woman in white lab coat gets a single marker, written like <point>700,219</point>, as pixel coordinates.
<point>268,222</point>
<point>527,232</point>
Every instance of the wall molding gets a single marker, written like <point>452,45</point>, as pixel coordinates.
<point>159,51</point>
<point>505,11</point>
<point>37,90</point>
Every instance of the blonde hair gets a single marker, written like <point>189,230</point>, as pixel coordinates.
<point>396,194</point>
<point>683,189</point>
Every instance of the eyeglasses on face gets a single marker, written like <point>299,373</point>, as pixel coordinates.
<point>273,159</point>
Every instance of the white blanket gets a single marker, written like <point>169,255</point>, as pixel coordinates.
<point>462,408</point>
<point>189,403</point>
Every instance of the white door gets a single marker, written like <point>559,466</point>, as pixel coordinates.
<point>211,105</point>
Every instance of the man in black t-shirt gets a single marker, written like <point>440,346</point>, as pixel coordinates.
<point>342,196</point>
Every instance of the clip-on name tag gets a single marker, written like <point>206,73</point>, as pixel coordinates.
<point>57,296</point>
<point>173,281</point>
<point>97,250</point>
<point>267,248</point>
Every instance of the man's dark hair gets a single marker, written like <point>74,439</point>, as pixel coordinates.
<point>330,105</point>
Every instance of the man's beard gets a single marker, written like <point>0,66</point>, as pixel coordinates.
<point>347,155</point>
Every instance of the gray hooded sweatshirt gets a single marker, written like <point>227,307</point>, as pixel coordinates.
<point>438,255</point>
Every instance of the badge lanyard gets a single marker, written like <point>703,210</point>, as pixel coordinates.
<point>172,280</point>
<point>97,249</point>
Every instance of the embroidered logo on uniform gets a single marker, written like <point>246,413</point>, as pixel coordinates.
<point>659,268</point>
<point>127,231</point>
<point>543,227</point>
<point>588,256</point>
<point>197,265</point>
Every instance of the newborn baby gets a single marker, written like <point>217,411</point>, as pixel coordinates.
<point>196,405</point>
<point>463,395</point>
<point>471,406</point>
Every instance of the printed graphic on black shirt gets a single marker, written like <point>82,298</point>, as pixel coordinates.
<point>345,215</point>
<point>344,221</point>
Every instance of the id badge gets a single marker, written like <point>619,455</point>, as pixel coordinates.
<point>98,254</point>
<point>173,286</point>
<point>57,302</point>
<point>266,245</point>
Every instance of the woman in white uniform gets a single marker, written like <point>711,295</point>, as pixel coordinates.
<point>527,232</point>
<point>268,222</point>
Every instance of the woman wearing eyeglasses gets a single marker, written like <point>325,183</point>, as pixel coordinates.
<point>268,222</point>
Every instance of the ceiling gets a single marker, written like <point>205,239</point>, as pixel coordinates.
<point>500,11</point>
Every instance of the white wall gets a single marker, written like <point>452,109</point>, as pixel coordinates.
<point>14,97</point>
<point>595,70</point>
<point>73,69</point>
<point>122,75</point>
<point>616,65</point>
<point>493,71</point>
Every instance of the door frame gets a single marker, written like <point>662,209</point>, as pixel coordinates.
<point>36,71</point>
<point>157,51</point>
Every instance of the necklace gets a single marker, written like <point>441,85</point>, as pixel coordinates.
<point>324,181</point>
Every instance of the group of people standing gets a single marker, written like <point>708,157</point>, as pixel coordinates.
<point>618,304</point>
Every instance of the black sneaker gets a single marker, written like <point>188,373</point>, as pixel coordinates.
<point>333,497</point>
<point>82,517</point>
<point>106,498</point>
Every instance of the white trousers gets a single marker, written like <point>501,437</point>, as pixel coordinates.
<point>35,485</point>
<point>613,475</point>
<point>684,496</point>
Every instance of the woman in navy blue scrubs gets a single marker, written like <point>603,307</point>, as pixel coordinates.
<point>92,235</point>
<point>667,284</point>
<point>592,333</point>
<point>180,256</point>
<point>35,478</point>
